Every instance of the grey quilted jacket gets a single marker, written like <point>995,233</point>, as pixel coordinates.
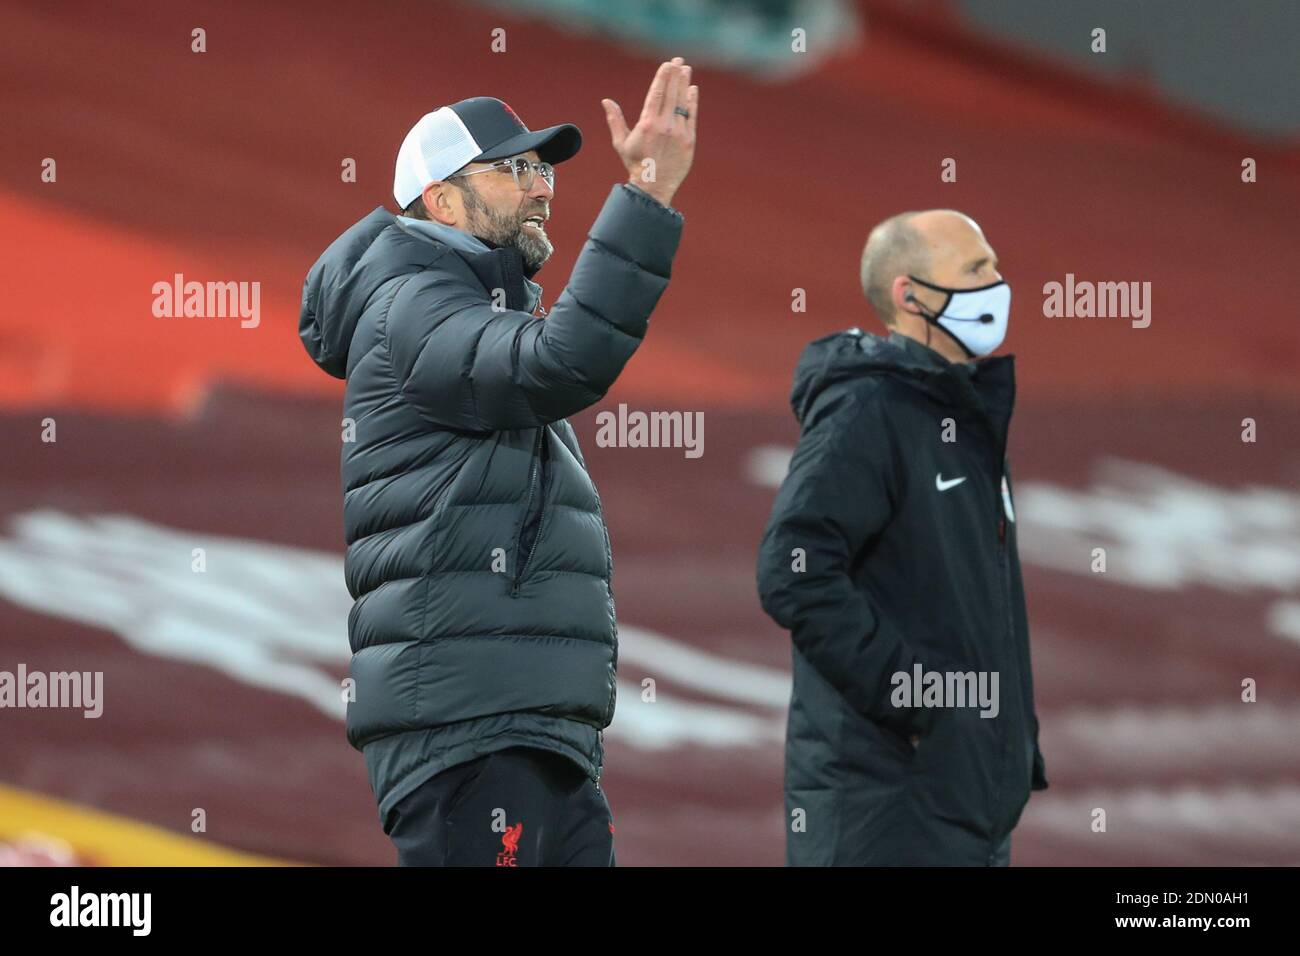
<point>477,553</point>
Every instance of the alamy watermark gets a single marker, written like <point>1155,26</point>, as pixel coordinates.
<point>78,690</point>
<point>209,300</point>
<point>1102,300</point>
<point>75,908</point>
<point>922,688</point>
<point>626,429</point>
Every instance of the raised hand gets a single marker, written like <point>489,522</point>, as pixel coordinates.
<point>659,149</point>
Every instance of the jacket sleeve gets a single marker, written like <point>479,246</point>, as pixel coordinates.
<point>465,364</point>
<point>837,496</point>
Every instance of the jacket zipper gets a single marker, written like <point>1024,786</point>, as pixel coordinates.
<point>1005,587</point>
<point>532,489</point>
<point>1022,657</point>
<point>609,583</point>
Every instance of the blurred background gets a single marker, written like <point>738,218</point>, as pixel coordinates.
<point>1169,156</point>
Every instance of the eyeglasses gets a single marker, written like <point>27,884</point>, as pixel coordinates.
<point>525,172</point>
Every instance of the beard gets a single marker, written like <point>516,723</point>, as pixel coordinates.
<point>506,229</point>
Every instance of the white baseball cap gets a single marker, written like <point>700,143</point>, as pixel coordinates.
<point>474,130</point>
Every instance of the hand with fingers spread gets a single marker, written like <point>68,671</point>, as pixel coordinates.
<point>659,149</point>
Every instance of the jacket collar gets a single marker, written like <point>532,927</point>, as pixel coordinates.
<point>988,385</point>
<point>495,267</point>
<point>927,357</point>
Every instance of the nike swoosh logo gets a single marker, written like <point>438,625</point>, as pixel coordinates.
<point>942,485</point>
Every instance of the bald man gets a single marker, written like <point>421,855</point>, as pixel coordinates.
<point>890,556</point>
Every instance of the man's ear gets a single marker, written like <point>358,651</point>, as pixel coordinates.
<point>438,204</point>
<point>901,293</point>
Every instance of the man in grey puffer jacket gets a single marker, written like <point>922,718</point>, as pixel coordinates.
<point>483,634</point>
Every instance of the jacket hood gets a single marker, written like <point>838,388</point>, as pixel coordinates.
<point>337,289</point>
<point>369,254</point>
<point>832,362</point>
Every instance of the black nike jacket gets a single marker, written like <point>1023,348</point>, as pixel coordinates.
<point>892,544</point>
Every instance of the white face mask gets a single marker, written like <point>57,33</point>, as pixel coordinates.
<point>976,318</point>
